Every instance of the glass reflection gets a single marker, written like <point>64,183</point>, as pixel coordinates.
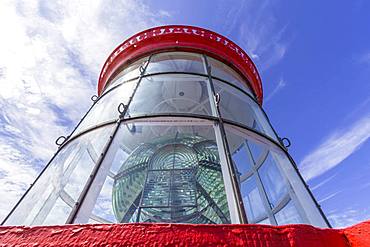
<point>176,62</point>
<point>130,72</point>
<point>288,215</point>
<point>274,183</point>
<point>224,72</point>
<point>263,187</point>
<point>171,94</point>
<point>238,107</point>
<point>51,198</point>
<point>253,204</point>
<point>106,108</point>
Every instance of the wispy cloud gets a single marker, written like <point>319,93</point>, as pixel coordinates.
<point>364,58</point>
<point>280,85</point>
<point>329,197</point>
<point>51,55</point>
<point>323,182</point>
<point>347,216</point>
<point>260,32</point>
<point>337,147</point>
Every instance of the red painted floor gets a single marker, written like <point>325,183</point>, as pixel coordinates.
<point>185,235</point>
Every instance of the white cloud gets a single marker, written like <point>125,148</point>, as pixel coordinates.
<point>51,55</point>
<point>280,85</point>
<point>337,147</point>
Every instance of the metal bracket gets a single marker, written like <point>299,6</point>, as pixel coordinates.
<point>141,69</point>
<point>121,108</point>
<point>60,140</point>
<point>287,142</point>
<point>94,98</point>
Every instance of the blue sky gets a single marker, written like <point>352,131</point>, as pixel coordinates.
<point>313,57</point>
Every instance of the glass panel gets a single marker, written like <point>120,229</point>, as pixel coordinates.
<point>130,72</point>
<point>265,222</point>
<point>169,171</point>
<point>273,182</point>
<point>277,175</point>
<point>222,71</point>
<point>288,215</point>
<point>238,107</point>
<point>106,108</point>
<point>304,201</point>
<point>171,94</point>
<point>242,160</point>
<point>176,62</point>
<point>51,198</point>
<point>58,214</point>
<point>102,211</point>
<point>252,200</point>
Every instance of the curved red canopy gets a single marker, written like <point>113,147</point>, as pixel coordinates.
<point>181,38</point>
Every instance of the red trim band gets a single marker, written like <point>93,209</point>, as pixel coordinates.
<point>184,38</point>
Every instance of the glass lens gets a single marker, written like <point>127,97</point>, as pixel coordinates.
<point>169,171</point>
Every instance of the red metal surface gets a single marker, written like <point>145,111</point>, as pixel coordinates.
<point>185,235</point>
<point>184,38</point>
<point>358,235</point>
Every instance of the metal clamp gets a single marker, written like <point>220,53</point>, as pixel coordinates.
<point>141,69</point>
<point>217,98</point>
<point>60,140</point>
<point>94,98</point>
<point>121,108</point>
<point>287,143</point>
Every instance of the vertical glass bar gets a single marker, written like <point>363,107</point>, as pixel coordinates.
<point>231,200</point>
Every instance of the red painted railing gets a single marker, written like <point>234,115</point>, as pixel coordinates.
<point>185,235</point>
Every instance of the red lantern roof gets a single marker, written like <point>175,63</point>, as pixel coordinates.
<point>181,38</point>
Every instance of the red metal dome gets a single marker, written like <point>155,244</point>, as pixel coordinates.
<point>184,38</point>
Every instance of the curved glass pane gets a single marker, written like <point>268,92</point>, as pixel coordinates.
<point>252,200</point>
<point>264,186</point>
<point>273,182</point>
<point>238,107</point>
<point>171,93</point>
<point>288,215</point>
<point>131,71</point>
<point>106,108</point>
<point>51,198</point>
<point>169,170</point>
<point>265,222</point>
<point>224,72</point>
<point>176,62</point>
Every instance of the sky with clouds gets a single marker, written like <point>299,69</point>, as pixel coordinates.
<point>313,57</point>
